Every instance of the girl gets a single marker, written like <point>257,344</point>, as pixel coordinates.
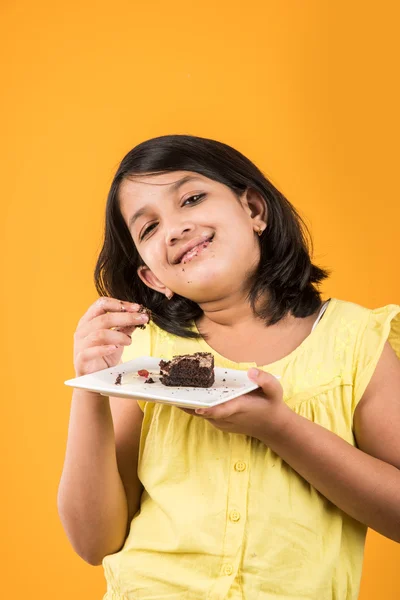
<point>267,496</point>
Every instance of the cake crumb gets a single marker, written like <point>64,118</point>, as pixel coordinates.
<point>150,380</point>
<point>118,379</point>
<point>143,310</point>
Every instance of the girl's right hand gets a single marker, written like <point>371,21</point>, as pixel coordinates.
<point>102,333</point>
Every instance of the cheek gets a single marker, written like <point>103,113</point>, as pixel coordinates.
<point>150,251</point>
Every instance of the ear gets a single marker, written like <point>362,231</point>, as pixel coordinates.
<point>148,278</point>
<point>256,207</point>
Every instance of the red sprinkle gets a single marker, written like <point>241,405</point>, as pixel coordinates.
<point>143,373</point>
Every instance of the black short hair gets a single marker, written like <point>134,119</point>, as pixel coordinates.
<point>285,270</point>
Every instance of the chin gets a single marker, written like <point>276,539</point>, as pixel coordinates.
<point>206,289</point>
<point>207,280</point>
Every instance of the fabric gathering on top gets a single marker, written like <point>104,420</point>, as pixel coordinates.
<point>222,517</point>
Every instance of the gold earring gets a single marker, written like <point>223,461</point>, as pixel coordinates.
<point>260,231</point>
<point>169,296</point>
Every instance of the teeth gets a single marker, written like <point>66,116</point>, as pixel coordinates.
<point>193,252</point>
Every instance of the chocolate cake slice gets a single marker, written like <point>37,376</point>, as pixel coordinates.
<point>188,370</point>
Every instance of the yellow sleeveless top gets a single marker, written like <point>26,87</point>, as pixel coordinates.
<point>222,516</point>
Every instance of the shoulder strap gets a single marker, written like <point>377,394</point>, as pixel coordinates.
<point>320,314</point>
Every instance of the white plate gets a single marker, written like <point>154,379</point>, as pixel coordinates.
<point>228,384</point>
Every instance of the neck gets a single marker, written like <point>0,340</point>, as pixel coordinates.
<point>233,312</point>
<point>231,329</point>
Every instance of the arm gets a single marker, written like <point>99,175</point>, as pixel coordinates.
<point>364,482</point>
<point>99,490</point>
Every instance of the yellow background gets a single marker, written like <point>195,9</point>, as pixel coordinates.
<point>308,90</point>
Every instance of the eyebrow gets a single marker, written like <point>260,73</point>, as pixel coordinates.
<point>173,187</point>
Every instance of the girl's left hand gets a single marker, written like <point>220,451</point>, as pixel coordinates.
<point>259,414</point>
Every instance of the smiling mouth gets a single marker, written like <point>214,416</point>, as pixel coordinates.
<point>188,256</point>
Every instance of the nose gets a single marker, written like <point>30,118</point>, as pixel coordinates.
<point>177,232</point>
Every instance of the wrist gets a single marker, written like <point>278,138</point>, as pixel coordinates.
<point>86,395</point>
<point>276,424</point>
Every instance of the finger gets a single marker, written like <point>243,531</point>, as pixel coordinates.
<point>106,304</point>
<point>188,411</point>
<point>268,383</point>
<point>88,354</point>
<point>106,337</point>
<point>127,330</point>
<point>110,320</point>
<point>222,411</point>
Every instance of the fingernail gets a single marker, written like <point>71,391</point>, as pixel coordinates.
<point>133,306</point>
<point>201,411</point>
<point>143,318</point>
<point>253,373</point>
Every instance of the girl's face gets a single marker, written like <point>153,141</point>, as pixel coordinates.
<point>195,236</point>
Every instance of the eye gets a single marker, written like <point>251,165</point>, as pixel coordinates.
<point>194,199</point>
<point>147,230</point>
